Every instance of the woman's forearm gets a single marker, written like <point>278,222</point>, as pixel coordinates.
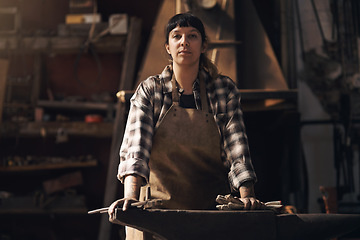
<point>247,189</point>
<point>132,185</point>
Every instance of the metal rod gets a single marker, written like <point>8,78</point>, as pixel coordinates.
<point>134,204</point>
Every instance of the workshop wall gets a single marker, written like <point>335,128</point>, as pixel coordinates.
<point>41,18</point>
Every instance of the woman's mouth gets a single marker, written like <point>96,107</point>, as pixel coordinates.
<point>184,52</point>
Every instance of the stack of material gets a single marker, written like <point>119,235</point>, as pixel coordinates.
<point>82,11</point>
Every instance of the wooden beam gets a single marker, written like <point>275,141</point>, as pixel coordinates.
<point>131,50</point>
<point>4,65</point>
<point>126,83</point>
<point>112,185</point>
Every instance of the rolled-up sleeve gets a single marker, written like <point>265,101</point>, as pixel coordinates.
<point>137,141</point>
<point>235,142</point>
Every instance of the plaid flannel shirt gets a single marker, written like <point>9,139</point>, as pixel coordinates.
<point>150,102</point>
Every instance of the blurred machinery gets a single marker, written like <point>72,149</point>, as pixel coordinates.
<point>333,75</point>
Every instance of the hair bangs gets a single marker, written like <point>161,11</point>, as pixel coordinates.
<point>185,20</point>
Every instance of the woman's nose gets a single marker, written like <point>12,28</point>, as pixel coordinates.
<point>184,42</point>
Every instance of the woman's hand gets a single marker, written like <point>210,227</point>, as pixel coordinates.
<point>132,184</point>
<point>125,203</point>
<point>247,196</point>
<point>251,203</point>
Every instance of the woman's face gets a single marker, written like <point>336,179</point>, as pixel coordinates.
<point>185,45</point>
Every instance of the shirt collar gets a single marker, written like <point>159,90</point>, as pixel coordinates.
<point>166,78</point>
<point>167,74</point>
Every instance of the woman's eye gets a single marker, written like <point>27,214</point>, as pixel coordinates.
<point>176,36</point>
<point>193,36</point>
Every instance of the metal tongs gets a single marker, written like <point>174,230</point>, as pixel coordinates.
<point>142,204</point>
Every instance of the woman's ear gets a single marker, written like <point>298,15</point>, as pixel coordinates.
<point>204,47</point>
<point>167,48</point>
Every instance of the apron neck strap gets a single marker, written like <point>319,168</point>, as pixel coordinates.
<point>203,96</point>
<point>204,102</point>
<point>175,95</point>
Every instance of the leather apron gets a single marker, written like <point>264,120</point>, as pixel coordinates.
<point>186,169</point>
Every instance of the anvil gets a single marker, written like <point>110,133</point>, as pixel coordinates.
<point>244,225</point>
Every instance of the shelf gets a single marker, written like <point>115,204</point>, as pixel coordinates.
<point>17,105</point>
<point>43,129</point>
<point>62,45</point>
<point>223,44</point>
<point>72,204</point>
<point>42,211</point>
<point>261,94</point>
<point>75,105</point>
<point>49,166</point>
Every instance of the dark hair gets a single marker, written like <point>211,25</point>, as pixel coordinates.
<point>190,20</point>
<point>185,20</point>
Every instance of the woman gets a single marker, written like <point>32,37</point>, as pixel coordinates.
<point>185,135</point>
